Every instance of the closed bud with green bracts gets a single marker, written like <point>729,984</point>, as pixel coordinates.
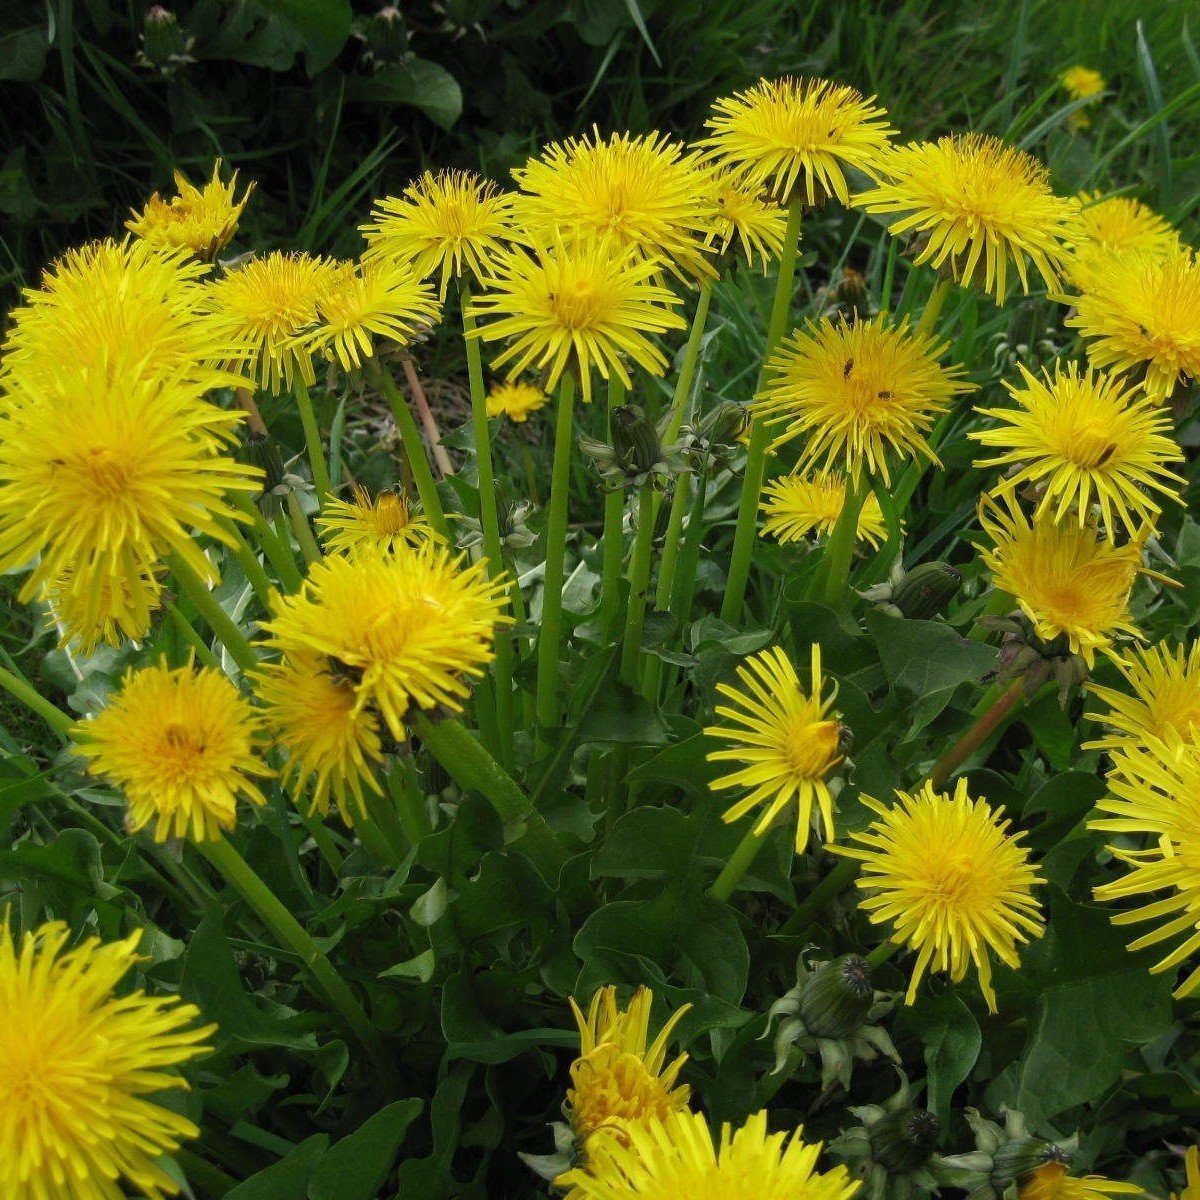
<point>836,999</point>
<point>1017,1158</point>
<point>634,438</point>
<point>165,44</point>
<point>726,424</point>
<point>905,1140</point>
<point>261,450</point>
<point>386,35</point>
<point>926,590</point>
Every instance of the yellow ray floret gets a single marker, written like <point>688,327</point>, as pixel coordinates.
<point>182,745</point>
<point>1050,1181</point>
<point>798,137</point>
<point>385,521</point>
<point>1081,437</point>
<point>955,886</point>
<point>784,742</point>
<point>1165,701</point>
<point>860,393</point>
<point>201,220</point>
<point>80,1063</point>
<point>515,401</point>
<point>744,216</point>
<point>978,209</point>
<point>1114,225</point>
<point>797,505</point>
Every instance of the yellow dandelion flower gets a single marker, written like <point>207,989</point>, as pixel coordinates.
<point>798,136</point>
<point>644,193</point>
<point>1157,792</point>
<point>104,473</point>
<point>450,222</point>
<point>743,215</point>
<point>1081,83</point>
<point>796,505</point>
<point>1165,704</point>
<point>785,742</point>
<point>1083,437</point>
<point>366,301</point>
<point>385,522</point>
<point>1140,312</point>
<point>1191,1190</point>
<point>977,207</point>
<point>200,220</point>
<point>583,304</point>
<point>677,1158</point>
<point>403,629</point>
<point>333,744</point>
<point>951,880</point>
<point>515,401</point>
<point>621,1077</point>
<point>1115,225</point>
<point>1067,581</point>
<point>114,302</point>
<point>181,746</point>
<point>264,306</point>
<point>1050,1181</point>
<point>858,392</point>
<point>80,1064</point>
<point>104,609</point>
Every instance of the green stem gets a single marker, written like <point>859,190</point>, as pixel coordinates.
<point>414,451</point>
<point>840,548</point>
<point>312,440</point>
<point>639,585</point>
<point>331,987</point>
<point>322,838</point>
<point>986,724</point>
<point>251,567</point>
<point>219,621</point>
<point>278,551</point>
<point>934,305</point>
<point>556,551</point>
<point>202,650</point>
<point>667,570</point>
<point>406,791</point>
<point>882,953</point>
<point>490,522</point>
<point>820,896</point>
<point>739,863</point>
<point>687,368</point>
<point>21,689</point>
<point>303,531</point>
<point>756,454</point>
<point>613,539</point>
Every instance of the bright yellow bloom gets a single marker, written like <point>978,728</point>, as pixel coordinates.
<point>676,1159</point>
<point>1050,1181</point>
<point>643,193</point>
<point>1116,225</point>
<point>402,629</point>
<point>580,304</point>
<point>1140,312</point>
<point>743,215</point>
<point>1068,582</point>
<point>366,301</point>
<point>200,220</point>
<point>1081,83</point>
<point>954,884</point>
<point>798,137</point>
<point>104,473</point>
<point>858,392</point>
<point>333,743</point>
<point>1165,705</point>
<point>1191,1189</point>
<point>181,745</point>
<point>113,302</point>
<point>978,207</point>
<point>620,1077</point>
<point>105,609</point>
<point>80,1065</point>
<point>796,505</point>
<point>450,222</point>
<point>1083,437</point>
<point>386,523</point>
<point>785,742</point>
<point>515,401</point>
<point>264,306</point>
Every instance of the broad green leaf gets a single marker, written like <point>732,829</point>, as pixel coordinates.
<point>355,1167</point>
<point>288,1178</point>
<point>321,25</point>
<point>416,82</point>
<point>921,657</point>
<point>951,1043</point>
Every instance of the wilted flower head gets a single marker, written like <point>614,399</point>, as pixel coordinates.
<point>978,208</point>
<point>201,220</point>
<point>955,886</point>
<point>798,137</point>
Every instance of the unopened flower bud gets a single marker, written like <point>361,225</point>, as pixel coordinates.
<point>634,438</point>
<point>164,42</point>
<point>387,35</point>
<point>1017,1158</point>
<point>726,424</point>
<point>926,590</point>
<point>904,1141</point>
<point>261,450</point>
<point>836,999</point>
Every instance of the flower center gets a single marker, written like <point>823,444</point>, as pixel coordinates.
<point>106,474</point>
<point>576,305</point>
<point>810,747</point>
<point>1090,446</point>
<point>391,514</point>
